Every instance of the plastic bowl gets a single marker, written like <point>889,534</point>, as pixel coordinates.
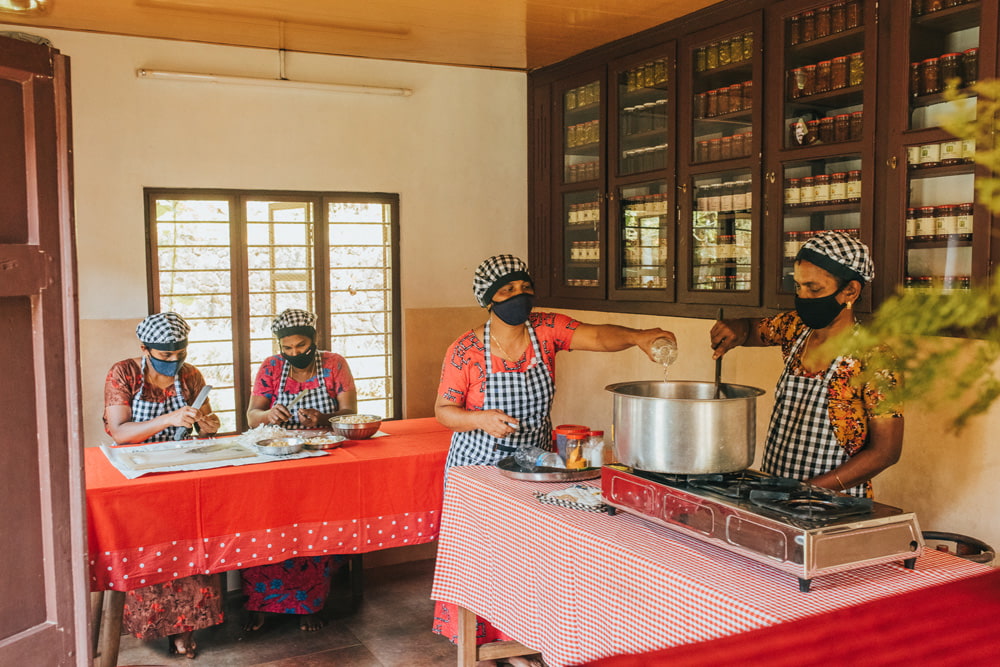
<point>356,431</point>
<point>279,446</point>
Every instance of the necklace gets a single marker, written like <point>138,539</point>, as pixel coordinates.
<point>506,354</point>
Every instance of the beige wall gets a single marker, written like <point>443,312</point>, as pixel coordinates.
<point>950,480</point>
<point>455,151</point>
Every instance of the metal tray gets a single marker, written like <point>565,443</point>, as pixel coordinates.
<point>509,468</point>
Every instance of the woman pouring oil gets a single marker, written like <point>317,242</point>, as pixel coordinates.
<point>823,427</point>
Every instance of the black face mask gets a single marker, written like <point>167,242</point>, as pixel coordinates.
<point>516,309</point>
<point>819,313</point>
<point>303,360</point>
<point>168,368</point>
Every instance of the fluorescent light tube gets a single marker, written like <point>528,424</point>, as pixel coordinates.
<point>273,83</point>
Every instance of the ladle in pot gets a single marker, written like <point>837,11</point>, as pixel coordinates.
<point>719,391</point>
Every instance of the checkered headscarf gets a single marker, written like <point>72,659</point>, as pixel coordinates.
<point>496,272</point>
<point>843,256</point>
<point>163,331</point>
<point>294,322</point>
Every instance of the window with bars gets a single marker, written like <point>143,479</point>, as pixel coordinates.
<point>229,261</point>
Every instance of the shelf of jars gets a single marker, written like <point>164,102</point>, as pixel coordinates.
<point>721,232</point>
<point>824,101</point>
<point>643,102</point>
<point>644,237</point>
<point>581,238</point>
<point>944,49</point>
<point>582,133</point>
<point>819,195</point>
<point>722,103</point>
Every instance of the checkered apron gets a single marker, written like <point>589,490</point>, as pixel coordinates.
<point>143,411</point>
<point>317,400</point>
<point>525,395</point>
<point>800,440</point>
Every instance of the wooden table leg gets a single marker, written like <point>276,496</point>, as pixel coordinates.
<point>469,653</point>
<point>110,631</point>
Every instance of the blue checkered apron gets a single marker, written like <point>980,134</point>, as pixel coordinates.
<point>317,400</point>
<point>800,440</point>
<point>525,395</point>
<point>143,411</point>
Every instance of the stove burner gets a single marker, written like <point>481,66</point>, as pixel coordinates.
<point>740,484</point>
<point>811,504</point>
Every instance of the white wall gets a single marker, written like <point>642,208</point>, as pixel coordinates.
<point>455,151</point>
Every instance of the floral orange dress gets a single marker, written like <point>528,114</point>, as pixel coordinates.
<point>850,404</point>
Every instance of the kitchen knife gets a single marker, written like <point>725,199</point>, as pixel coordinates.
<point>199,400</point>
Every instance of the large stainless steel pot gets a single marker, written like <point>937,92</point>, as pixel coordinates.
<point>680,427</point>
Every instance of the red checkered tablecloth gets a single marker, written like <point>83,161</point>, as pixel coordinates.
<point>579,585</point>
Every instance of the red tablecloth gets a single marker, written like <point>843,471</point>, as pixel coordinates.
<point>580,585</point>
<point>957,623</point>
<point>365,495</point>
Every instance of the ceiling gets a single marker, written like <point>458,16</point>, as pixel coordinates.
<point>508,34</point>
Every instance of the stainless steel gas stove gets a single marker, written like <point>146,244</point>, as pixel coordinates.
<point>801,529</point>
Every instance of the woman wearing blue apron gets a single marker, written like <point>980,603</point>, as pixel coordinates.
<point>823,427</point>
<point>148,400</point>
<point>498,380</point>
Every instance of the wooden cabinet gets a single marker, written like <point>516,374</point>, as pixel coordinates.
<point>714,146</point>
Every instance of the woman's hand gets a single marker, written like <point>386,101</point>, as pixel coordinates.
<point>727,334</point>
<point>310,418</point>
<point>496,422</point>
<point>278,414</point>
<point>209,424</point>
<point>647,337</point>
<point>185,417</point>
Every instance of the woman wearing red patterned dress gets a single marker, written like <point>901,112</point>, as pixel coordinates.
<point>324,382</point>
<point>825,427</point>
<point>498,380</point>
<point>147,400</point>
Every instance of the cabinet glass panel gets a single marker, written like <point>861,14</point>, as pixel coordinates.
<point>644,237</point>
<point>721,232</point>
<point>939,224</point>
<point>944,47</point>
<point>819,195</point>
<point>824,75</point>
<point>582,239</point>
<point>582,133</point>
<point>723,99</point>
<point>642,117</point>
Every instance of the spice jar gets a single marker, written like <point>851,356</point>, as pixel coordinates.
<point>702,154</point>
<point>823,75</point>
<point>739,145</point>
<point>726,198</point>
<point>821,189</point>
<point>930,76</point>
<point>914,79</point>
<point>794,30</point>
<point>791,245</point>
<point>963,221</point>
<point>796,81</point>
<point>857,125</point>
<point>711,103</point>
<point>856,69</point>
<point>712,56</point>
<point>841,127</point>
<point>944,222</point>
<point>930,155</point>
<point>748,94</point>
<point>725,53</point>
<point>714,149</point>
<point>826,129</point>
<point>925,228</point>
<point>852,13</point>
<point>838,187</point>
<point>951,152</point>
<point>736,49</point>
<point>808,26</point>
<point>854,185</point>
<point>736,97</point>
<point>968,150</point>
<point>748,46</point>
<point>838,73</point>
<point>950,68</point>
<point>911,224</point>
<point>812,132</point>
<point>913,157</point>
<point>726,148</point>
<point>699,60</point>
<point>838,17</point>
<point>822,22</point>
<point>793,192</point>
<point>808,84</point>
<point>807,190</point>
<point>970,66</point>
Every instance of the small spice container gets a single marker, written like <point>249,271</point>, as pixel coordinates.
<point>838,72</point>
<point>791,245</point>
<point>822,22</point>
<point>808,26</point>
<point>726,148</point>
<point>700,105</point>
<point>968,150</point>
<point>725,53</point>
<point>970,66</point>
<point>793,192</point>
<point>736,49</point>
<point>854,185</point>
<point>711,103</point>
<point>930,76</point>
<point>736,97</point>
<point>950,67</point>
<point>826,129</point>
<point>914,79</point>
<point>856,68</point>
<point>857,125</point>
<point>807,191</point>
<point>913,157</point>
<point>911,224</point>
<point>838,187</point>
<point>812,132</point>
<point>794,30</point>
<point>747,88</point>
<point>821,189</point>
<point>838,17</point>
<point>702,154</point>
<point>963,221</point>
<point>945,223</point>
<point>714,149</point>
<point>823,75</point>
<point>852,13</point>
<point>930,155</point>
<point>925,225</point>
<point>699,60</point>
<point>712,56</point>
<point>951,152</point>
<point>739,145</point>
<point>841,127</point>
<point>748,45</point>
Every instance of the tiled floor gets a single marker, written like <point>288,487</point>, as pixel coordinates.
<point>391,628</point>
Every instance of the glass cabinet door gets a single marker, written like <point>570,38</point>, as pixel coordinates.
<point>721,233</point>
<point>723,98</point>
<point>581,239</point>
<point>642,110</point>
<point>644,259</point>
<point>582,132</point>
